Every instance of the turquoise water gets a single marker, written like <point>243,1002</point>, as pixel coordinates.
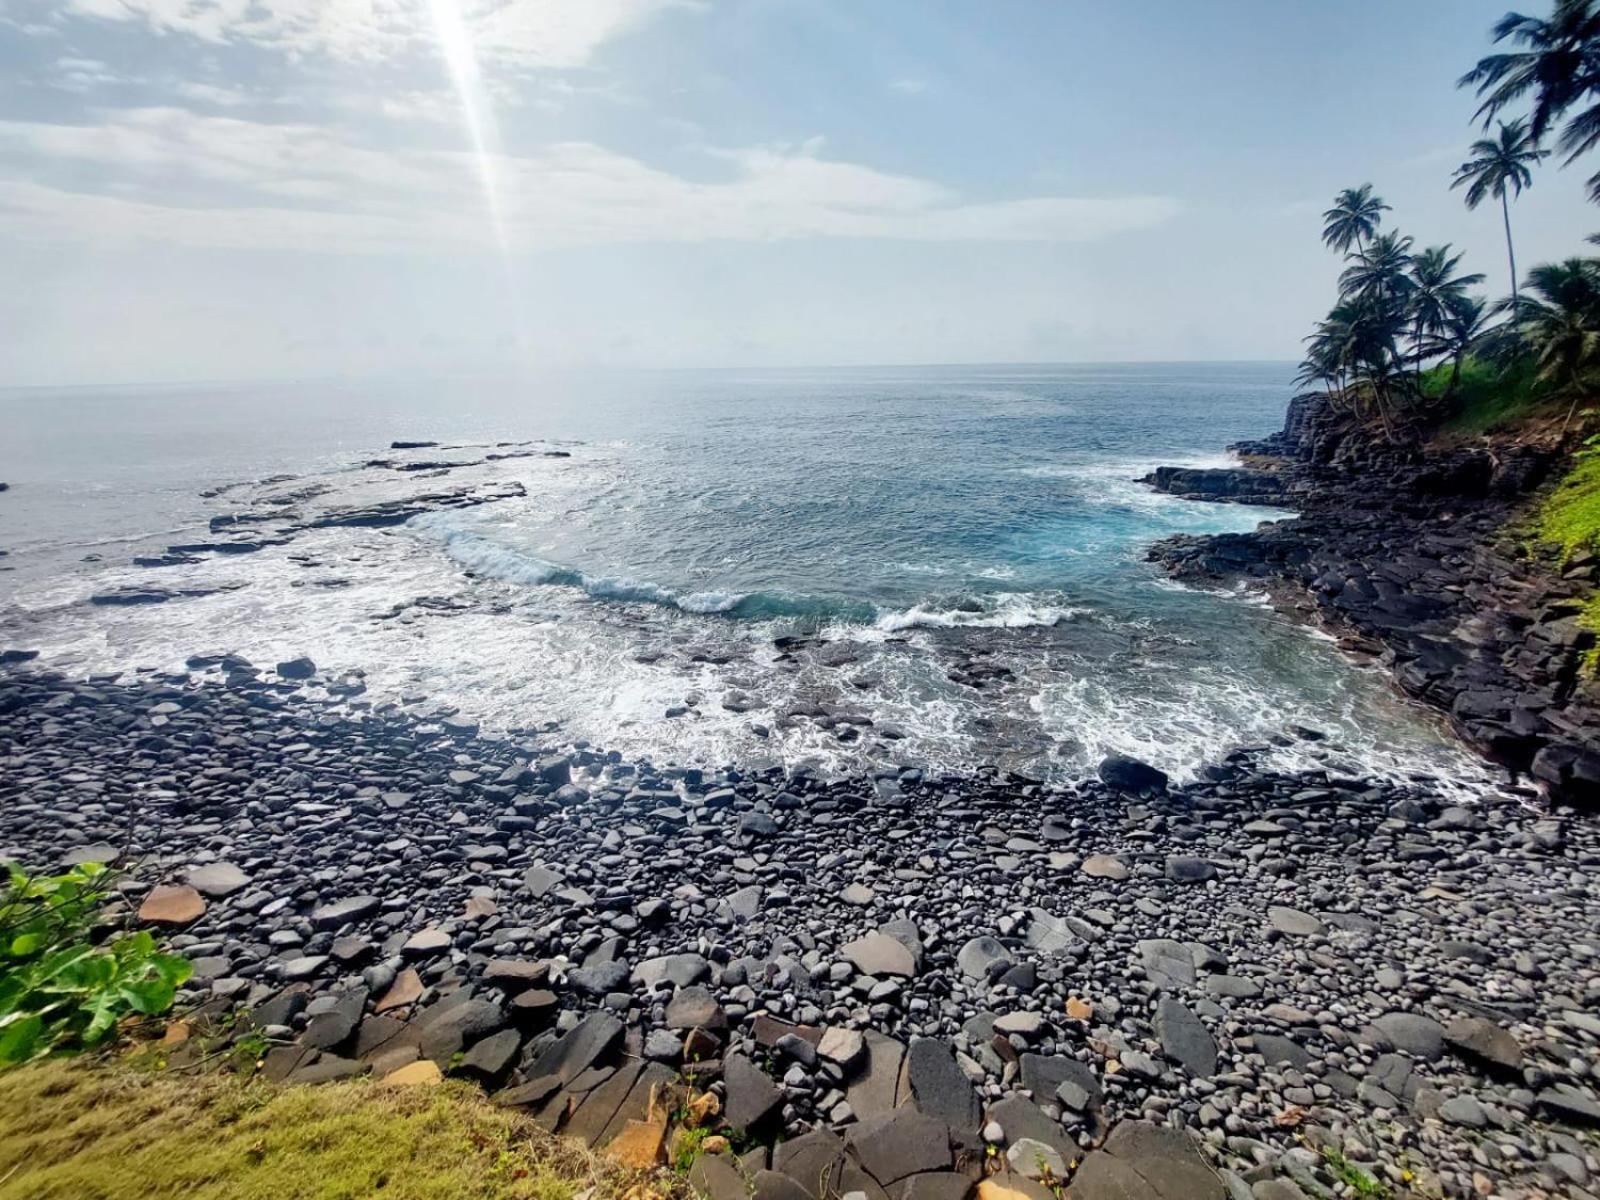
<point>954,553</point>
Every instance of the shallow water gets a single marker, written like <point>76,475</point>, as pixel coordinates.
<point>958,550</point>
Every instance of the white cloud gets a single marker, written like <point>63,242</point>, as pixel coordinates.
<point>535,33</point>
<point>174,176</point>
<point>908,87</point>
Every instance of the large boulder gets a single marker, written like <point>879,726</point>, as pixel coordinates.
<point>1130,775</point>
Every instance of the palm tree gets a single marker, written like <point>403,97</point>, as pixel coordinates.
<point>1434,288</point>
<point>1461,327</point>
<point>1559,324</point>
<point>1353,219</point>
<point>1499,167</point>
<point>1381,271</point>
<point>1359,342</point>
<point>1559,66</point>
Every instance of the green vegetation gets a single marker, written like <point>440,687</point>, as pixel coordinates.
<point>75,1131</point>
<point>1570,517</point>
<point>59,990</point>
<point>686,1148</point>
<point>1486,396</point>
<point>1352,1176</point>
<point>1402,315</point>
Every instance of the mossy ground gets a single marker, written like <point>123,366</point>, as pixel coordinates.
<point>95,1132</point>
<point>1570,517</point>
<point>1487,397</point>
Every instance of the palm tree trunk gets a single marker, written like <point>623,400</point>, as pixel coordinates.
<point>1505,213</point>
<point>1455,377</point>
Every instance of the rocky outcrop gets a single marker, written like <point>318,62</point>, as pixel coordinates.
<point>1238,485</point>
<point>1410,553</point>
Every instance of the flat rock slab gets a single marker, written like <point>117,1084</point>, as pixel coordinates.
<point>1043,1075</point>
<point>716,1178</point>
<point>903,1143</point>
<point>1105,866</point>
<point>1485,1042</point>
<point>1169,964</point>
<point>880,954</point>
<point>938,1087</point>
<point>579,1048</point>
<point>217,879</point>
<point>1141,1161</point>
<point>1185,1039</point>
<point>1294,922</point>
<point>752,1097</point>
<point>1419,1036</point>
<point>936,1185</point>
<point>344,912</point>
<point>1020,1118</point>
<point>814,1160</point>
<point>595,1113</point>
<point>172,905</point>
<point>875,1090</point>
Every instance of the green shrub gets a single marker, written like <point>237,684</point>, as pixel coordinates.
<point>60,991</point>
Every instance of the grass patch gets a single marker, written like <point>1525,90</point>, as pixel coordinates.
<point>1487,396</point>
<point>1570,517</point>
<point>1352,1176</point>
<point>92,1132</point>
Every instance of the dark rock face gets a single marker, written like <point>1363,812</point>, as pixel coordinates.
<point>1409,553</point>
<point>1238,485</point>
<point>1130,775</point>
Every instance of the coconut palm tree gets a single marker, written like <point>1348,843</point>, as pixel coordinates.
<point>1360,342</point>
<point>1462,326</point>
<point>1559,325</point>
<point>1434,287</point>
<point>1558,66</point>
<point>1353,219</point>
<point>1381,271</point>
<point>1500,167</point>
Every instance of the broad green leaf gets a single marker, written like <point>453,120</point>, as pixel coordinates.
<point>25,945</point>
<point>21,1039</point>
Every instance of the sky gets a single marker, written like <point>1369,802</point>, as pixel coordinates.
<point>262,189</point>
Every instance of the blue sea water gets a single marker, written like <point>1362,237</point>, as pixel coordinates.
<point>729,565</point>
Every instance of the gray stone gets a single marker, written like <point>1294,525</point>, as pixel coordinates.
<point>880,954</point>
<point>1294,922</point>
<point>980,956</point>
<point>937,1085</point>
<point>752,1097</point>
<point>1484,1042</point>
<point>902,1143</point>
<point>217,880</point>
<point>1185,1040</point>
<point>1419,1036</point>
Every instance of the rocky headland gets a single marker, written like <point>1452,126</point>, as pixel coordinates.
<point>1415,554</point>
<point>900,986</point>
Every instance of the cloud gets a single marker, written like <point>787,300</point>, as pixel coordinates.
<point>533,33</point>
<point>908,87</point>
<point>174,176</point>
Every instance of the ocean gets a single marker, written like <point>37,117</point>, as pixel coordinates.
<point>855,569</point>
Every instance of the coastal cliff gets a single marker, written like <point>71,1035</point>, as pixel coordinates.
<point>1419,553</point>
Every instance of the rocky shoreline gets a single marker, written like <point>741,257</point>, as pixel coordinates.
<point>1413,556</point>
<point>1255,985</point>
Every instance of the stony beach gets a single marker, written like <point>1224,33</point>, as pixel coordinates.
<point>1255,985</point>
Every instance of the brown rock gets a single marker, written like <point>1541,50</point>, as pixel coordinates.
<point>406,990</point>
<point>639,1144</point>
<point>420,1073</point>
<point>172,906</point>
